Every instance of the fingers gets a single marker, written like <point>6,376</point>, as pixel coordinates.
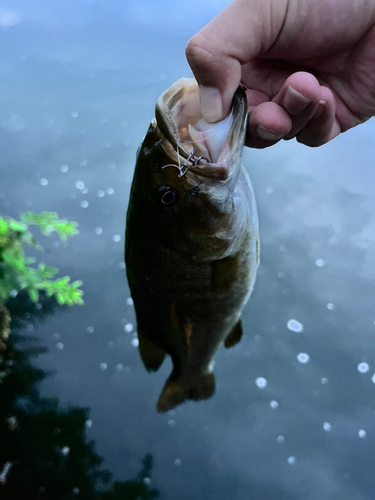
<point>301,109</point>
<point>238,34</point>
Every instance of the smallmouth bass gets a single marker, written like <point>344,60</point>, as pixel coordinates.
<point>192,244</point>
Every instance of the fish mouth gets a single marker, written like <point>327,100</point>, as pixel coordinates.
<point>206,149</point>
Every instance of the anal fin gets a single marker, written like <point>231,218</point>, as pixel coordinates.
<point>234,336</point>
<point>151,355</point>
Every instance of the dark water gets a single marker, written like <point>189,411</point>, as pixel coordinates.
<point>78,85</point>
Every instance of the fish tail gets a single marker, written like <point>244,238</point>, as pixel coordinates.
<point>176,391</point>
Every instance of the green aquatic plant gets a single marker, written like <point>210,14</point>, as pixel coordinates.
<point>17,271</point>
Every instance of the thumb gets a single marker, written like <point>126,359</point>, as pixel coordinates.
<point>242,31</point>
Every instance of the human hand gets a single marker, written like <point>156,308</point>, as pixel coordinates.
<point>308,67</point>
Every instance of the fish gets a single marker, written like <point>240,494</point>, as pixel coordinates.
<point>192,240</point>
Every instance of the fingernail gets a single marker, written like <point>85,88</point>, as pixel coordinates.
<point>266,134</point>
<point>322,102</point>
<point>294,102</point>
<point>211,104</point>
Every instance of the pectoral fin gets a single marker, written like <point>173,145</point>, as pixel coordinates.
<point>234,336</point>
<point>151,355</point>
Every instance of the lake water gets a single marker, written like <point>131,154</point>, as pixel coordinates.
<point>293,416</point>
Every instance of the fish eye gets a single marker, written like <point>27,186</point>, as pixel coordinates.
<point>167,195</point>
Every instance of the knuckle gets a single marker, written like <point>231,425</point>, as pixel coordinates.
<point>196,51</point>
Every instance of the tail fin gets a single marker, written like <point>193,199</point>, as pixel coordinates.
<point>177,391</point>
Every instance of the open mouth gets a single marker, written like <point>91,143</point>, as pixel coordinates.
<point>203,146</point>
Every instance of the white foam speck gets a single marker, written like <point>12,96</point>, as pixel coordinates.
<point>162,76</point>
<point>135,342</point>
<point>362,433</point>
<point>330,306</point>
<point>128,327</point>
<point>80,185</point>
<point>119,367</point>
<point>43,182</point>
<point>85,191</point>
<point>56,336</point>
<point>269,189</point>
<point>84,203</point>
<point>171,422</point>
<point>116,238</point>
<point>291,460</point>
<point>122,265</point>
<point>90,329</point>
<point>177,462</point>
<point>274,404</point>
<point>129,302</point>
<point>319,262</point>
<point>83,163</point>
<point>64,169</point>
<point>101,193</point>
<point>261,382</point>
<point>74,114</point>
<point>13,293</point>
<point>65,451</point>
<point>295,326</point>
<point>373,378</point>
<point>60,345</point>
<point>75,491</point>
<point>110,190</point>
<point>146,480</point>
<point>280,439</point>
<point>103,366</point>
<point>324,381</point>
<point>363,367</point>
<point>98,230</point>
<point>88,423</point>
<point>327,426</point>
<point>303,358</point>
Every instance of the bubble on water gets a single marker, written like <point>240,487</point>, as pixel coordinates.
<point>74,114</point>
<point>162,76</point>
<point>90,329</point>
<point>65,451</point>
<point>110,190</point>
<point>128,327</point>
<point>30,328</point>
<point>280,439</point>
<point>373,378</point>
<point>324,380</point>
<point>56,336</point>
<point>13,293</point>
<point>84,191</point>
<point>80,185</point>
<point>43,182</point>
<point>295,326</point>
<point>129,302</point>
<point>121,265</point>
<point>330,306</point>
<point>363,367</point>
<point>127,369</point>
<point>146,480</point>
<point>177,462</point>
<point>83,163</point>
<point>319,262</point>
<point>171,422</point>
<point>64,169</point>
<point>88,423</point>
<point>261,382</point>
<point>98,230</point>
<point>103,366</point>
<point>119,367</point>
<point>303,358</point>
<point>116,238</point>
<point>362,433</point>
<point>60,345</point>
<point>274,404</point>
<point>327,426</point>
<point>38,306</point>
<point>56,244</point>
<point>101,193</point>
<point>135,342</point>
<point>269,189</point>
<point>75,491</point>
<point>292,460</point>
<point>282,248</point>
<point>84,203</point>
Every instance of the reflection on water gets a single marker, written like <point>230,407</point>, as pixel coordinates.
<point>44,452</point>
<point>192,244</point>
<point>276,428</point>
